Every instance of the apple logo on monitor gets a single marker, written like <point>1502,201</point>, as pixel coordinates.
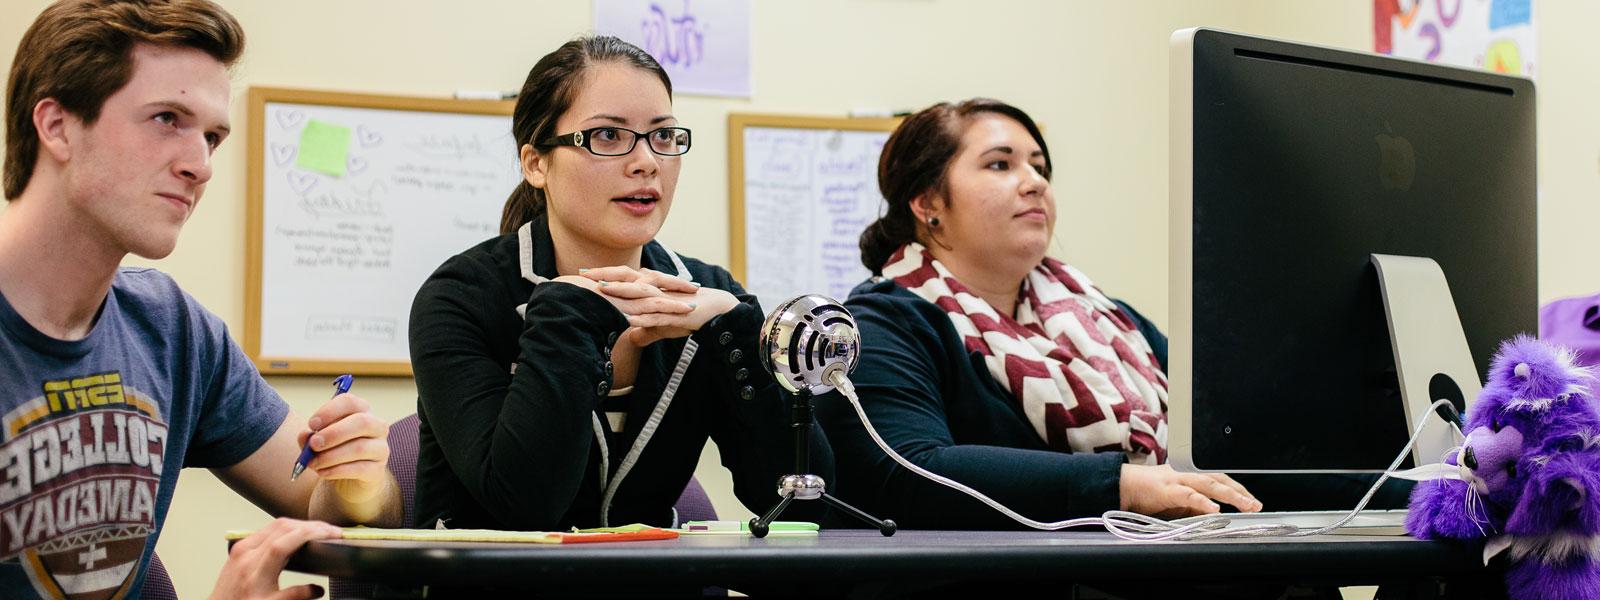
<point>1397,161</point>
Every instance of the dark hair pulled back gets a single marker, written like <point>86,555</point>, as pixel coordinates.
<point>550,89</point>
<point>915,160</point>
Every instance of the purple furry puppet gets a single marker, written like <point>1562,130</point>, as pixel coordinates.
<point>1530,475</point>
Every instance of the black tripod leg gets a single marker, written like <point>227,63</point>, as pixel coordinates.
<point>885,526</point>
<point>758,525</point>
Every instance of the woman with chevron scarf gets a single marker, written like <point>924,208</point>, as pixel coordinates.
<point>990,363</point>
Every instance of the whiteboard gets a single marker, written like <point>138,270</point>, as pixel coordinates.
<point>338,251</point>
<point>802,190</point>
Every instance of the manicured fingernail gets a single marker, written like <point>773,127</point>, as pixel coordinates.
<point>602,284</point>
<point>315,423</point>
<point>692,305</point>
<point>583,270</point>
<point>316,442</point>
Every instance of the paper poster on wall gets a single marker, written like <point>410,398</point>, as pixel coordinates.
<point>801,190</point>
<point>703,44</point>
<point>1496,35</point>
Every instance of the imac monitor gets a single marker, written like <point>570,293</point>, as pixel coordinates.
<point>1292,166</point>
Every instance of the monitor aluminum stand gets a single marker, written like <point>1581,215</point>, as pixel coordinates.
<point>1431,354</point>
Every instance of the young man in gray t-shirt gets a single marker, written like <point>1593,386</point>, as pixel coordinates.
<point>112,379</point>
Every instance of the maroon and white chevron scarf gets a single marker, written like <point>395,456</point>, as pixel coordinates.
<point>1074,361</point>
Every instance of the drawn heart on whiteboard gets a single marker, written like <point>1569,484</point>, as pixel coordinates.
<point>287,119</point>
<point>283,153</point>
<point>355,164</point>
<point>368,137</point>
<point>302,182</point>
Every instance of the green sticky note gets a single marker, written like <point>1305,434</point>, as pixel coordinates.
<point>323,148</point>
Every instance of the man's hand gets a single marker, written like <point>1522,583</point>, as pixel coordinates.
<point>352,448</point>
<point>255,562</point>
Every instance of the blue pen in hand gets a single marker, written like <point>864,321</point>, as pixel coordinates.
<point>341,384</point>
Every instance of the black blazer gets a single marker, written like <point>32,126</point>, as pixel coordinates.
<point>507,403</point>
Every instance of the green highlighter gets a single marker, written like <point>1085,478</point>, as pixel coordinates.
<point>743,528</point>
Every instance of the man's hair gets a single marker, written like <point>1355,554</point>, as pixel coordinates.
<point>81,51</point>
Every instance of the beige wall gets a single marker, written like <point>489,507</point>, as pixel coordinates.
<point>1094,73</point>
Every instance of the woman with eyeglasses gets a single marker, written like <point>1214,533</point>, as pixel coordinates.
<point>570,370</point>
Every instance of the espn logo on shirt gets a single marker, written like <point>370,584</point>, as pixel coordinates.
<point>80,471</point>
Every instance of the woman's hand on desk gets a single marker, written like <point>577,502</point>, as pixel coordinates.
<point>255,562</point>
<point>1163,492</point>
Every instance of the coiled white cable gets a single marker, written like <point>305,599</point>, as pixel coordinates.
<point>1134,526</point>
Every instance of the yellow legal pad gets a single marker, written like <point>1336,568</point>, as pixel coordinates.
<point>625,533</point>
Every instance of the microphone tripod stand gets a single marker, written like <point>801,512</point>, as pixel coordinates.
<point>802,485</point>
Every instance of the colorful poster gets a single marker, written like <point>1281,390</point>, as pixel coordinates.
<point>703,44</point>
<point>1497,35</point>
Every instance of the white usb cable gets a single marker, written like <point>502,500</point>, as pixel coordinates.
<point>1137,527</point>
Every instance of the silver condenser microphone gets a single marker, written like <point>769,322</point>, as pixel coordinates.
<point>809,343</point>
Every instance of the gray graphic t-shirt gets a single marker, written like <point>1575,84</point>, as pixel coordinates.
<point>93,433</point>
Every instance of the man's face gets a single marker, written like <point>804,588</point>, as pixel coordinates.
<point>138,172</point>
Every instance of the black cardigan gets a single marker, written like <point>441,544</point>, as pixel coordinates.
<point>507,403</point>
<point>936,404</point>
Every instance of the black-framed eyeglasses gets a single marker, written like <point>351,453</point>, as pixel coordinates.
<point>618,141</point>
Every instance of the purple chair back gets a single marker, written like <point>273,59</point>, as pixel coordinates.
<point>157,583</point>
<point>693,504</point>
<point>403,446</point>
<point>1574,323</point>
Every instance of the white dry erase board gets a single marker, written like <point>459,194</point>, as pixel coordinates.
<point>801,190</point>
<point>354,200</point>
